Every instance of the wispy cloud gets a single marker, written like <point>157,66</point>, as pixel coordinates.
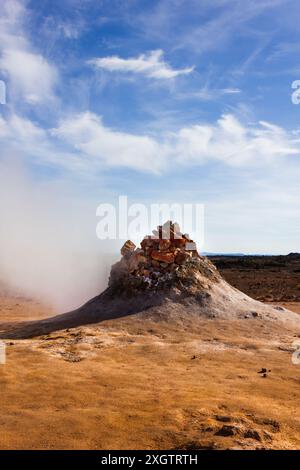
<point>83,142</point>
<point>209,94</point>
<point>283,50</point>
<point>231,20</point>
<point>227,141</point>
<point>150,64</point>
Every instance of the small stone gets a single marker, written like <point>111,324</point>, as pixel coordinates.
<point>127,248</point>
<point>180,242</point>
<point>223,418</point>
<point>264,370</point>
<point>163,257</point>
<point>252,434</point>
<point>164,244</point>
<point>273,423</point>
<point>182,257</point>
<point>228,430</point>
<point>147,243</point>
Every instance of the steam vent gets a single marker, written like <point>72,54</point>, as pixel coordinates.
<point>165,279</point>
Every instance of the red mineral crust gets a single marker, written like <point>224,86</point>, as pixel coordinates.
<point>161,254</point>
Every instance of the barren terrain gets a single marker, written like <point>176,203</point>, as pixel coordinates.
<point>136,382</point>
<point>266,278</point>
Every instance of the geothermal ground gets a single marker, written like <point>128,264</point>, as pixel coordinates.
<point>141,382</point>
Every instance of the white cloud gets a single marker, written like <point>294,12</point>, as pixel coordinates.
<point>23,130</point>
<point>31,77</point>
<point>209,94</point>
<point>84,145</point>
<point>230,91</point>
<point>150,64</point>
<point>22,137</point>
<point>232,143</point>
<point>87,134</point>
<point>227,141</point>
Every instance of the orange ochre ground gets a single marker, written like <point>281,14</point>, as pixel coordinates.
<point>132,384</point>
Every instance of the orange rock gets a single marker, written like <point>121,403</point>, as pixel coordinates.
<point>179,242</point>
<point>162,256</point>
<point>147,243</point>
<point>128,247</point>
<point>182,257</point>
<point>164,245</point>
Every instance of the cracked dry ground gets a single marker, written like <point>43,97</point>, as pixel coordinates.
<point>133,383</point>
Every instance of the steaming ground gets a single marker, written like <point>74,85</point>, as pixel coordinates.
<point>48,244</point>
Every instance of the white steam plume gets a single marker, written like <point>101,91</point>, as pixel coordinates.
<point>48,244</point>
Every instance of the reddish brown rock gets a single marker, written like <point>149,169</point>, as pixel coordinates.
<point>147,243</point>
<point>127,248</point>
<point>162,256</point>
<point>182,257</point>
<point>164,245</point>
<point>158,256</point>
<point>179,242</point>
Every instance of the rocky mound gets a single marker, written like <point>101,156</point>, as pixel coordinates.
<point>163,279</point>
<point>166,259</point>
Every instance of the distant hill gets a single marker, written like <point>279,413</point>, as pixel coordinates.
<point>207,253</point>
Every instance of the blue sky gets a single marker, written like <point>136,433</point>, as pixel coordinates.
<point>165,101</point>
